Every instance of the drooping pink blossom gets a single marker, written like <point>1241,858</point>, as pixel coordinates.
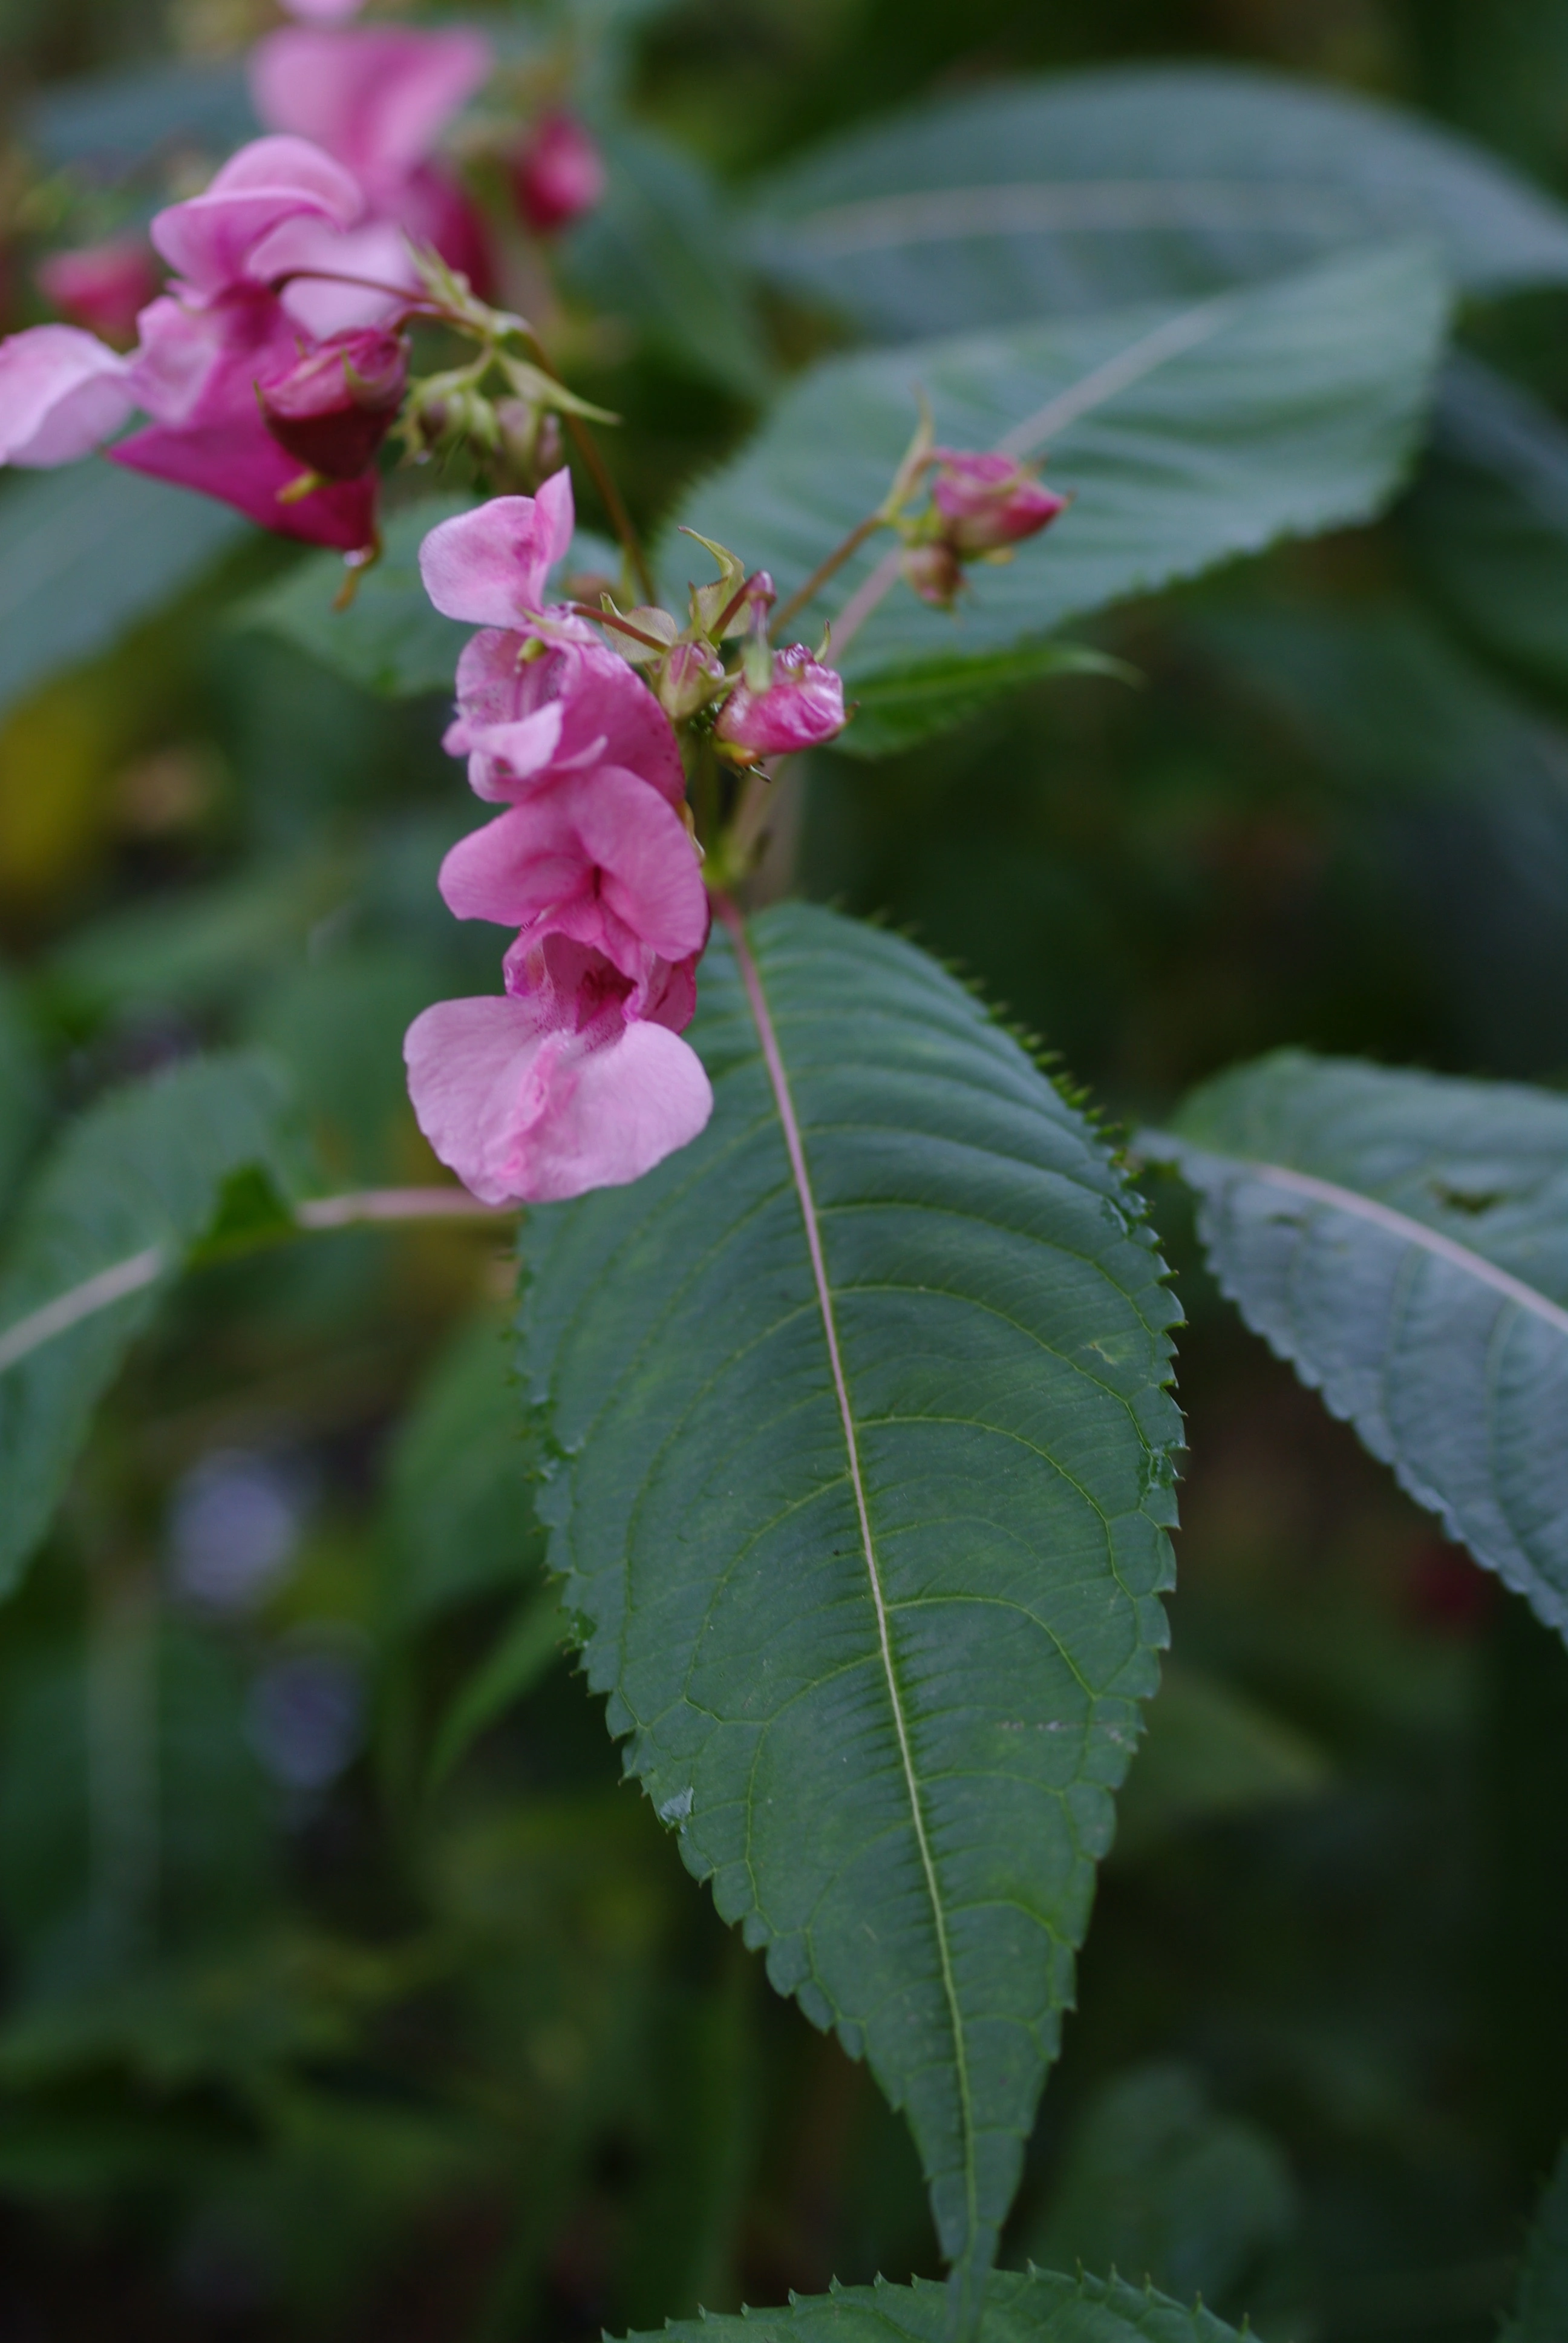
<point>801,708</point>
<point>377,99</point>
<point>988,501</point>
<point>532,709</point>
<point>598,857</point>
<point>490,566</point>
<point>332,409</point>
<point>103,287</point>
<point>61,393</point>
<point>573,1080</point>
<point>558,174</point>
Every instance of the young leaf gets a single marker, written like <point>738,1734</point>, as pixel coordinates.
<point>1403,1240</point>
<point>1031,2306</point>
<point>1073,194</point>
<point>860,1472</point>
<point>1541,2305</point>
<point>131,1186</point>
<point>1187,436</point>
<point>88,552</point>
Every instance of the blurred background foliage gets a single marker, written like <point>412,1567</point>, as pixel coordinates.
<point>346,1992</point>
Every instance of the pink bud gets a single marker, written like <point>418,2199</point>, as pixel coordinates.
<point>103,286</point>
<point>935,572</point>
<point>335,406</point>
<point>988,502</point>
<point>558,174</point>
<point>801,708</point>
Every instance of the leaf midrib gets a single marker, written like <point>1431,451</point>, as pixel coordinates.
<point>778,1079</point>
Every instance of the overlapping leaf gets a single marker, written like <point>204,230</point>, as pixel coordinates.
<point>1021,2306</point>
<point>127,1191</point>
<point>860,1470</point>
<point>1187,436</point>
<point>1403,1240</point>
<point>1131,185</point>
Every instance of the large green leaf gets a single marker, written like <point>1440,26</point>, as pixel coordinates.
<point>1021,2306</point>
<point>22,1089</point>
<point>1129,184</point>
<point>1541,2305</point>
<point>86,554</point>
<point>860,1469</point>
<point>131,1186</point>
<point>1488,521</point>
<point>1187,436</point>
<point>1403,1240</point>
<point>111,123</point>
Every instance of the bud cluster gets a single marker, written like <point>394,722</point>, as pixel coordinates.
<point>983,504</point>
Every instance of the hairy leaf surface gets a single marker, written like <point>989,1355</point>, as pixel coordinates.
<point>1131,185</point>
<point>1186,436</point>
<point>1034,2305</point>
<point>88,552</point>
<point>130,1189</point>
<point>1403,1240</point>
<point>860,1474</point>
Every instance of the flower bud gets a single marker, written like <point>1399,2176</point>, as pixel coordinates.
<point>801,708</point>
<point>935,572</point>
<point>687,681</point>
<point>558,174</point>
<point>333,408</point>
<point>103,287</point>
<point>988,502</point>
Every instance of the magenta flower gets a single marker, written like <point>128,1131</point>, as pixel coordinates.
<point>377,99</point>
<point>61,392</point>
<point>801,708</point>
<point>598,857</point>
<point>988,502</point>
<point>573,1080</point>
<point>490,566</point>
<point>530,709</point>
<point>558,174</point>
<point>332,409</point>
<point>103,287</point>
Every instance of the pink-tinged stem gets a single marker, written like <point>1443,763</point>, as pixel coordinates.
<point>826,569</point>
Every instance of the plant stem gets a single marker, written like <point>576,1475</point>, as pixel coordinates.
<point>826,569</point>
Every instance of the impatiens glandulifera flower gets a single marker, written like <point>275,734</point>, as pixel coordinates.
<point>558,174</point>
<point>377,99</point>
<point>103,287</point>
<point>334,406</point>
<point>61,392</point>
<point>988,502</point>
<point>490,566</point>
<point>533,707</point>
<point>801,707</point>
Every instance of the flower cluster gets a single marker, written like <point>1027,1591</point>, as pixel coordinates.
<point>273,364</point>
<point>576,1077</point>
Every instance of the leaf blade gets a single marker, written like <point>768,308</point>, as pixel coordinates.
<point>1032,2306</point>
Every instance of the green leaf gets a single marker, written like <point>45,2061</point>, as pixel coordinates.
<point>1021,2306</point>
<point>1186,436</point>
<point>656,255</point>
<point>897,709</point>
<point>1128,185</point>
<point>1487,520</point>
<point>22,1086</point>
<point>391,639</point>
<point>1541,2305</point>
<point>114,122</point>
<point>88,552</point>
<point>1157,2183</point>
<point>1403,1240</point>
<point>860,1473</point>
<point>128,1191</point>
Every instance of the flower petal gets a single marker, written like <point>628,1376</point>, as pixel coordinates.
<point>242,465</point>
<point>61,392</point>
<point>376,98</point>
<point>490,566</point>
<point>210,240</point>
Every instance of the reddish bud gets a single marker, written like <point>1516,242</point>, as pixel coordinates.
<point>801,708</point>
<point>103,287</point>
<point>989,501</point>
<point>335,405</point>
<point>558,174</point>
<point>935,572</point>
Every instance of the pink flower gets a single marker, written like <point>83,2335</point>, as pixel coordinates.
<point>377,100</point>
<point>103,287</point>
<point>801,708</point>
<point>524,721</point>
<point>598,857</point>
<point>61,392</point>
<point>218,240</point>
<point>242,465</point>
<point>331,409</point>
<point>558,1087</point>
<point>490,566</point>
<point>988,502</point>
<point>558,174</point>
